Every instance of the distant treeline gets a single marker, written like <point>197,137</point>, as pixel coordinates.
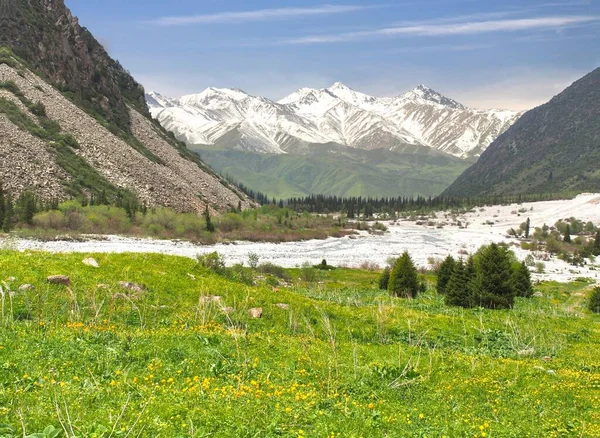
<point>367,207</point>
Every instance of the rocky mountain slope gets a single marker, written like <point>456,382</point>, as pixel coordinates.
<point>233,119</point>
<point>552,149</point>
<point>73,122</point>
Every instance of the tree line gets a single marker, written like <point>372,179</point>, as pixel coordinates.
<point>491,278</point>
<point>366,207</point>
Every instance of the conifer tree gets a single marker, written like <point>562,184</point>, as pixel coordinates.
<point>457,289</point>
<point>209,225</point>
<point>527,228</point>
<point>495,279</point>
<point>7,223</point>
<point>444,273</point>
<point>567,238</point>
<point>597,243</point>
<point>2,204</point>
<point>522,281</point>
<point>404,280</point>
<point>384,279</point>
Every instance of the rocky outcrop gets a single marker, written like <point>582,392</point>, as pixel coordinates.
<point>49,38</point>
<point>25,164</point>
<point>170,180</point>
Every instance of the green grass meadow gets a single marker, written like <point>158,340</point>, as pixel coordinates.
<point>342,359</point>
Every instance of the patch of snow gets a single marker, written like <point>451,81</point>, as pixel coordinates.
<point>421,241</point>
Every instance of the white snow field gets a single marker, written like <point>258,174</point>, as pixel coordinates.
<point>485,225</point>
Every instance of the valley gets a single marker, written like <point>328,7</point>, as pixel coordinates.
<point>426,237</point>
<point>330,263</point>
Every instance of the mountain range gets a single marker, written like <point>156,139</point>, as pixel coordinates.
<point>232,119</point>
<point>74,123</point>
<point>554,148</point>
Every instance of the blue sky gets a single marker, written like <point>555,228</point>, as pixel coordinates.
<point>483,53</point>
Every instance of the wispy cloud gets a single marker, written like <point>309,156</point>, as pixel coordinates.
<point>258,15</point>
<point>433,28</point>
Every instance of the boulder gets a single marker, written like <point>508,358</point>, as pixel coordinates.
<point>256,312</point>
<point>134,287</point>
<point>283,306</point>
<point>211,299</point>
<point>91,262</point>
<point>26,287</point>
<point>59,279</point>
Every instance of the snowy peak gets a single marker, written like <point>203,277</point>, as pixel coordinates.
<point>212,94</point>
<point>157,100</point>
<point>231,118</point>
<point>424,94</point>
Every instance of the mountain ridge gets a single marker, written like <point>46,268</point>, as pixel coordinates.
<point>552,148</point>
<point>74,122</point>
<point>337,114</point>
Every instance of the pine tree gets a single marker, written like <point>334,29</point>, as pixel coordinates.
<point>7,223</point>
<point>404,280</point>
<point>444,273</point>
<point>2,204</point>
<point>522,281</point>
<point>494,279</point>
<point>527,228</point>
<point>474,280</point>
<point>384,279</point>
<point>567,238</point>
<point>597,243</point>
<point>209,225</point>
<point>457,289</point>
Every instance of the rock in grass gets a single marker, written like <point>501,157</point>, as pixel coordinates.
<point>91,262</point>
<point>256,312</point>
<point>134,287</point>
<point>26,287</point>
<point>59,279</point>
<point>283,306</point>
<point>211,299</point>
<point>227,310</point>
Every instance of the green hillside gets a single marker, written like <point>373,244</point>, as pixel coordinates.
<point>332,356</point>
<point>554,148</point>
<point>333,170</point>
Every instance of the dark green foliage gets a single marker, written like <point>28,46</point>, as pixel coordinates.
<point>26,208</point>
<point>444,274</point>
<point>527,228</point>
<point>404,280</point>
<point>210,227</point>
<point>495,289</point>
<point>594,304</point>
<point>567,236</point>
<point>522,281</point>
<point>2,204</point>
<point>596,249</point>
<point>323,266</point>
<point>8,222</point>
<point>458,291</point>
<point>384,278</point>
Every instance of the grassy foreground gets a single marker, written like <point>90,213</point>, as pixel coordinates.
<point>343,360</point>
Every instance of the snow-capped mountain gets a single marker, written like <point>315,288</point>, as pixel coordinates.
<point>234,119</point>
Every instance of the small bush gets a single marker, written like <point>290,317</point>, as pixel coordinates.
<point>308,273</point>
<point>213,261</point>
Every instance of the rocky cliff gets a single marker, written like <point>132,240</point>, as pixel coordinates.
<point>73,122</point>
